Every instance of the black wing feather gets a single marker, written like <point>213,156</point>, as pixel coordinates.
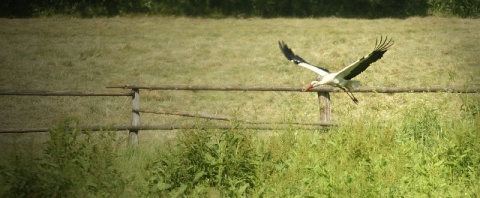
<point>292,57</point>
<point>380,48</point>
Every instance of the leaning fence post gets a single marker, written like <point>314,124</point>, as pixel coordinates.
<point>325,110</point>
<point>133,133</point>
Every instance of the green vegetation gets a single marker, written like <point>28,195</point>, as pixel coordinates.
<point>243,8</point>
<point>422,155</point>
<point>398,145</point>
<point>226,160</point>
<point>74,163</point>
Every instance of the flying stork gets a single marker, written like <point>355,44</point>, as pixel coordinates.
<point>341,79</point>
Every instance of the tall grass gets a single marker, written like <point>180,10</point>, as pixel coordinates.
<point>419,155</point>
<point>73,163</point>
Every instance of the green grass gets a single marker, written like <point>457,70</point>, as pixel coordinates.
<point>399,145</point>
<point>422,155</point>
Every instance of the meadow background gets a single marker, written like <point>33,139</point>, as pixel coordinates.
<point>397,145</point>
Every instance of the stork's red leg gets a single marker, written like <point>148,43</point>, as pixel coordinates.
<point>350,94</point>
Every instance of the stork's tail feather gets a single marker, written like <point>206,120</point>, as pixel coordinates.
<point>352,84</point>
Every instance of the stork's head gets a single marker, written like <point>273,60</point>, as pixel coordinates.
<point>312,85</point>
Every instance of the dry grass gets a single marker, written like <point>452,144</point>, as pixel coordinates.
<point>88,54</point>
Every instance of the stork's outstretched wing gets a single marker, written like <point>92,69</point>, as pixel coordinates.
<point>362,64</point>
<point>299,61</point>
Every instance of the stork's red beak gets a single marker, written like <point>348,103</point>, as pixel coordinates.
<point>308,88</point>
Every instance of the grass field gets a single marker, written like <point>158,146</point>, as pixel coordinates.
<point>398,145</point>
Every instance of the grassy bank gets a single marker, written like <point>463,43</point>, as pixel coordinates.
<point>389,144</point>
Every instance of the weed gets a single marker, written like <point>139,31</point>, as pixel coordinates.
<point>74,163</point>
<point>202,159</point>
<point>421,124</point>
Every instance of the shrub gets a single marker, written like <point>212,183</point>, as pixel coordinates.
<point>202,160</point>
<point>463,8</point>
<point>74,163</point>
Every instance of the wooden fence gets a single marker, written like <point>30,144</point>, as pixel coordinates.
<point>134,92</point>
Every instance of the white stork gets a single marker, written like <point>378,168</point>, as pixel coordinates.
<point>341,79</point>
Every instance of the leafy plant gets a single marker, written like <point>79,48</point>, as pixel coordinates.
<point>74,163</point>
<point>202,160</point>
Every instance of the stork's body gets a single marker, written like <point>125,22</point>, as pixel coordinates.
<point>332,80</point>
<point>342,78</point>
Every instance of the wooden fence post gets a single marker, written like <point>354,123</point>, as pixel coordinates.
<point>133,133</point>
<point>324,102</point>
<point>325,110</point>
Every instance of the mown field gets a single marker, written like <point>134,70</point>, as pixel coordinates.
<point>397,145</point>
